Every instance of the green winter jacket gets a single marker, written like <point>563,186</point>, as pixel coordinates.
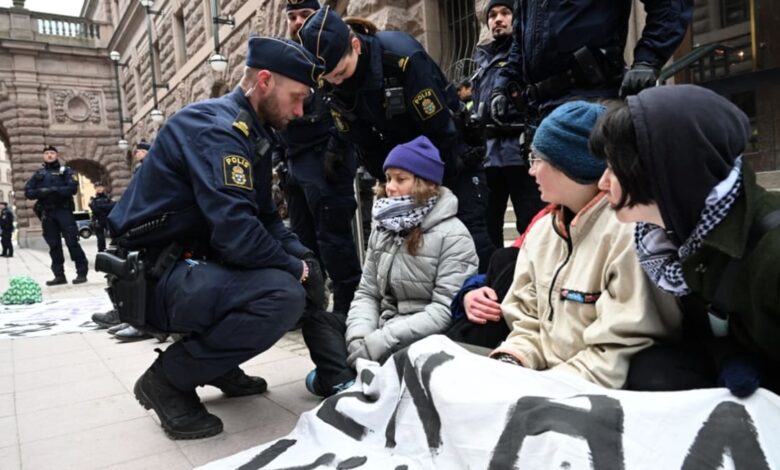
<point>755,321</point>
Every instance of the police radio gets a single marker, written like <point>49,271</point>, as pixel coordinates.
<point>395,104</point>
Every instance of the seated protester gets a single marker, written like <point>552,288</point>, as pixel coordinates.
<point>579,301</point>
<point>476,309</point>
<point>675,166</point>
<point>418,256</point>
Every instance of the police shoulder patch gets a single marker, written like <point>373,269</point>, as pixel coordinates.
<point>237,171</point>
<point>339,121</point>
<point>427,104</point>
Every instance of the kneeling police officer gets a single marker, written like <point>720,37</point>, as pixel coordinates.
<point>227,270</point>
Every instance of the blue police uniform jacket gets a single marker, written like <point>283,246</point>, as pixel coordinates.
<point>429,100</point>
<point>209,169</point>
<point>100,205</point>
<point>6,220</point>
<point>53,186</point>
<point>546,34</point>
<point>311,130</point>
<point>491,58</point>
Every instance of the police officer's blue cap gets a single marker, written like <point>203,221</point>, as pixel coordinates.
<point>143,145</point>
<point>50,148</point>
<point>301,4</point>
<point>284,57</point>
<point>326,36</point>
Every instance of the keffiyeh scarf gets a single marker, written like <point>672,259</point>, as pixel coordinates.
<point>400,214</point>
<point>661,259</point>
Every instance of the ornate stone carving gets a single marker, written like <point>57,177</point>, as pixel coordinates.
<point>76,106</point>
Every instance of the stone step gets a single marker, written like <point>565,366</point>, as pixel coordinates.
<point>769,180</point>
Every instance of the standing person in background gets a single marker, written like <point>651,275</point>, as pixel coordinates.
<point>54,186</point>
<point>100,204</point>
<point>141,150</point>
<point>7,228</point>
<point>505,168</point>
<point>386,90</point>
<point>320,183</point>
<point>466,94</point>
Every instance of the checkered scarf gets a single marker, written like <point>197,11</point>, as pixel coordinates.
<point>400,214</point>
<point>661,259</point>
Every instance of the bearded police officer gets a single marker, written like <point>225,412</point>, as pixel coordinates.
<point>238,279</point>
<point>53,188</point>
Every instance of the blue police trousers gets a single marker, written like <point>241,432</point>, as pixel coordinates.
<point>231,314</point>
<point>58,224</point>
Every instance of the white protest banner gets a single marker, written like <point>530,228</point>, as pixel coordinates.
<point>437,406</point>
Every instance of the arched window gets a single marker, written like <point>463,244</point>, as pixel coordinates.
<point>8,176</point>
<point>2,196</point>
<point>462,37</point>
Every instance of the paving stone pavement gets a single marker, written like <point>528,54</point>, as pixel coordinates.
<point>66,401</point>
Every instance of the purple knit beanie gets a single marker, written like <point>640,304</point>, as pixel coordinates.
<point>419,157</point>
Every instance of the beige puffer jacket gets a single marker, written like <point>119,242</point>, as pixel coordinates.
<point>581,302</point>
<point>402,298</point>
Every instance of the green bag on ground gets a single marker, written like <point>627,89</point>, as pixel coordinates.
<point>24,290</point>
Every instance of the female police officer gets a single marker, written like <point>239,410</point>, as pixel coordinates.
<point>386,91</point>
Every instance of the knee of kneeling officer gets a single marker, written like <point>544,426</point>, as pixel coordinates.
<point>290,299</point>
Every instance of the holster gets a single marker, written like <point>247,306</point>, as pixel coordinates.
<point>131,275</point>
<point>127,284</point>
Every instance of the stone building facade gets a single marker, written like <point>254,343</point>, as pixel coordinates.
<point>58,86</point>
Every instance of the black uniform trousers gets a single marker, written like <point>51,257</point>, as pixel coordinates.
<point>470,186</point>
<point>58,224</point>
<point>510,182</point>
<point>8,246</point>
<point>321,211</point>
<point>100,233</point>
<point>324,335</point>
<point>499,277</point>
<point>231,314</point>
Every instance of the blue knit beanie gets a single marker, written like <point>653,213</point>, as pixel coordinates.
<point>562,141</point>
<point>419,157</point>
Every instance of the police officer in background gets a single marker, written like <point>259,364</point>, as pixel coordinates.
<point>505,168</point>
<point>7,229</point>
<point>53,186</point>
<point>141,150</point>
<point>100,204</point>
<point>243,277</point>
<point>386,91</point>
<point>562,50</point>
<point>320,183</point>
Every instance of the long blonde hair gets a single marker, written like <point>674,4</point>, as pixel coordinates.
<point>422,190</point>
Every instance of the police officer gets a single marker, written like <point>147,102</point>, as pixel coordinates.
<point>386,91</point>
<point>100,204</point>
<point>54,186</point>
<point>320,183</point>
<point>505,168</point>
<point>7,228</point>
<point>243,277</point>
<point>565,49</point>
<point>141,150</point>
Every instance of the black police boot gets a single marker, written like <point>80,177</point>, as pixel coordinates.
<point>80,279</point>
<point>57,281</point>
<point>181,414</point>
<point>235,383</point>
<point>106,320</point>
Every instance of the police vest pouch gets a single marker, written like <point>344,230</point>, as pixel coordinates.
<point>127,284</point>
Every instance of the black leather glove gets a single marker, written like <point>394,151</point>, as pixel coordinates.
<point>641,75</point>
<point>499,106</point>
<point>741,375</point>
<point>315,283</point>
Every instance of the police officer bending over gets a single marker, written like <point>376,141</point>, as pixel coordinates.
<point>387,91</point>
<point>320,183</point>
<point>54,186</point>
<point>242,278</point>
